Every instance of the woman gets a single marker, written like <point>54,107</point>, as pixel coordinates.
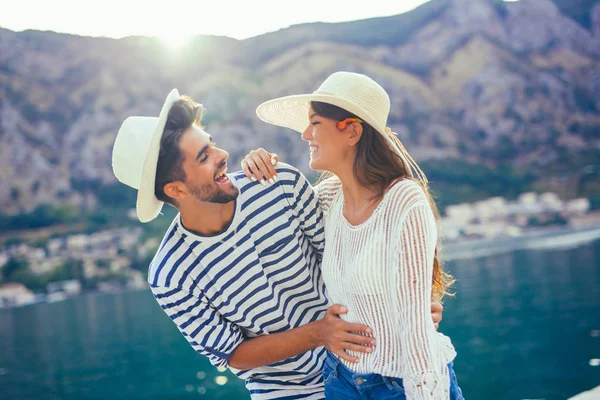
<point>380,258</point>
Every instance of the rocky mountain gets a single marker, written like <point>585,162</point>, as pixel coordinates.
<point>492,97</point>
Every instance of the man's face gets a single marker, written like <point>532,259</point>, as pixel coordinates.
<point>205,166</point>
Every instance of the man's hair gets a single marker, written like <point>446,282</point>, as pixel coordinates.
<point>183,114</point>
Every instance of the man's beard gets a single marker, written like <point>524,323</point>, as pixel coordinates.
<point>210,194</point>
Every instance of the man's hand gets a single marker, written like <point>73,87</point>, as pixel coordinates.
<point>436,313</point>
<point>331,331</point>
<point>338,336</point>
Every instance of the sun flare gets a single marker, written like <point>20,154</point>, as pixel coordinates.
<point>174,40</point>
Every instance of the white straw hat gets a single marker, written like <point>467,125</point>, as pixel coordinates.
<point>135,157</point>
<point>353,92</point>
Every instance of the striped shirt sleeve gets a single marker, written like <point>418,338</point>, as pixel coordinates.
<point>203,327</point>
<point>305,206</point>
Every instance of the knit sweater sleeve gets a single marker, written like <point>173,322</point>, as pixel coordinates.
<point>327,191</point>
<point>426,376</point>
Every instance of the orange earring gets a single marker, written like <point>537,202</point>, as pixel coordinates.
<point>342,124</point>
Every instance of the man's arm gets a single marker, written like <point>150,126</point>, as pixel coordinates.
<point>331,331</point>
<point>224,343</point>
<point>202,326</point>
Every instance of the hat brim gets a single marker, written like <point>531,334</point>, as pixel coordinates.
<point>292,111</point>
<point>147,205</point>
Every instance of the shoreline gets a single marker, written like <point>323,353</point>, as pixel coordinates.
<point>555,239</point>
<point>543,240</point>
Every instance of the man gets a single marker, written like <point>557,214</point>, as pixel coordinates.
<point>238,269</point>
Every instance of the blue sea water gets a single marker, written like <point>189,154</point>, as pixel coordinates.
<point>525,325</point>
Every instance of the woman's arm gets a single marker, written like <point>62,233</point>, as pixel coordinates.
<point>259,165</point>
<point>427,376</point>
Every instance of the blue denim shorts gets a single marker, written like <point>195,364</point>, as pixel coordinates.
<point>342,383</point>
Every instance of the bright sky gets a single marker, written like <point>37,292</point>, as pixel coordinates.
<point>170,19</point>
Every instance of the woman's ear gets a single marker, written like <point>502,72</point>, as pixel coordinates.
<point>356,131</point>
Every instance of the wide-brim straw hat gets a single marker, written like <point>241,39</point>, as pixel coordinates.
<point>356,93</point>
<point>135,157</point>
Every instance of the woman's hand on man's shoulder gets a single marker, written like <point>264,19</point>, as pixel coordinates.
<point>259,165</point>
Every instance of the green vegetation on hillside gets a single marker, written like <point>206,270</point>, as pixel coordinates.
<point>114,202</point>
<point>455,181</point>
<point>43,216</point>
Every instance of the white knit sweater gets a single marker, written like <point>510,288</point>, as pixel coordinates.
<point>382,271</point>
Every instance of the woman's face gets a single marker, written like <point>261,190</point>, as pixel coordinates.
<point>326,143</point>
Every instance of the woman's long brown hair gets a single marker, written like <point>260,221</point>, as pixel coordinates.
<point>377,166</point>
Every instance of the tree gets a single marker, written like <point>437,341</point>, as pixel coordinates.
<point>13,266</point>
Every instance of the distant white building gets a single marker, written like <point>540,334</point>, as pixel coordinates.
<point>497,202</point>
<point>577,206</point>
<point>450,229</point>
<point>36,255</point>
<point>15,294</point>
<point>513,231</point>
<point>460,212</point>
<point>551,201</point>
<point>528,198</point>
<point>525,206</point>
<point>54,245</point>
<point>488,230</point>
<point>22,251</point>
<point>119,264</point>
<point>3,259</point>
<point>77,242</point>
<point>492,208</point>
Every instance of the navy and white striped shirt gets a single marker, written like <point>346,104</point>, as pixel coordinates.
<point>261,275</point>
